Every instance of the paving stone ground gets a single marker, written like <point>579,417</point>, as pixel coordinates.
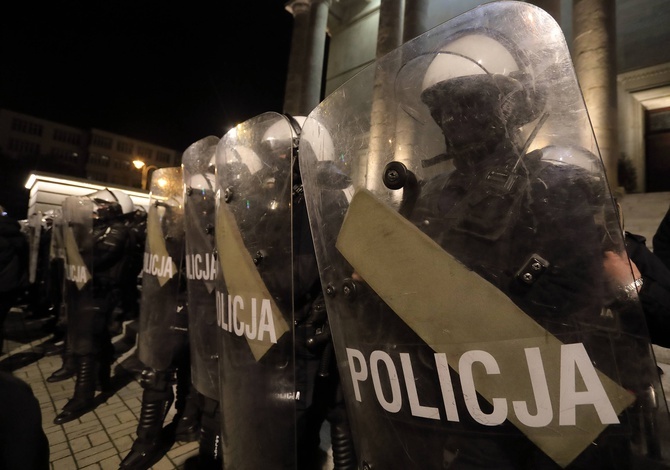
<point>99,439</point>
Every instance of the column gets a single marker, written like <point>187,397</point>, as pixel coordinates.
<point>416,19</point>
<point>294,75</point>
<point>389,34</point>
<point>305,69</point>
<point>594,56</point>
<point>316,47</point>
<point>415,24</point>
<point>382,119</point>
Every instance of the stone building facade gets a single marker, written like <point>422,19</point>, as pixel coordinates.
<point>619,49</point>
<point>90,153</point>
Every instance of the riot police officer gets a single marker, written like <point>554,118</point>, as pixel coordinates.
<point>137,227</point>
<point>163,327</point>
<point>278,383</point>
<point>201,271</point>
<point>496,212</point>
<point>96,242</point>
<point>454,279</point>
<point>492,210</point>
<point>41,302</point>
<point>58,344</point>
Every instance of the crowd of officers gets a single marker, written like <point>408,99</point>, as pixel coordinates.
<point>100,261</point>
<point>86,266</point>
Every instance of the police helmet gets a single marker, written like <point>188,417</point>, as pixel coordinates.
<point>481,71</point>
<point>111,203</point>
<point>276,142</point>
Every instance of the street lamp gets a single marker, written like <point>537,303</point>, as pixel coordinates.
<point>140,165</point>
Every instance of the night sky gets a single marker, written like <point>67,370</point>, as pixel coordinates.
<point>166,72</point>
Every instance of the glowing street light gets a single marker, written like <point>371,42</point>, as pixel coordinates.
<point>140,165</point>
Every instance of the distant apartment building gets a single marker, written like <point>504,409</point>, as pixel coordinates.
<point>93,154</point>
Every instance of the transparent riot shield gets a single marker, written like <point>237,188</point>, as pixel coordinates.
<point>77,233</point>
<point>464,231</point>
<point>42,298</point>
<point>34,235</point>
<point>57,245</point>
<point>163,318</point>
<point>57,262</point>
<point>201,265</point>
<point>255,293</point>
<point>78,223</point>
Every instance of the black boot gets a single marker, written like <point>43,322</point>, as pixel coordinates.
<point>341,437</point>
<point>210,456</point>
<point>67,370</point>
<point>187,418</point>
<point>150,445</point>
<point>84,391</point>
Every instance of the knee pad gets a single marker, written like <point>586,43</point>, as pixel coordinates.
<point>157,380</point>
